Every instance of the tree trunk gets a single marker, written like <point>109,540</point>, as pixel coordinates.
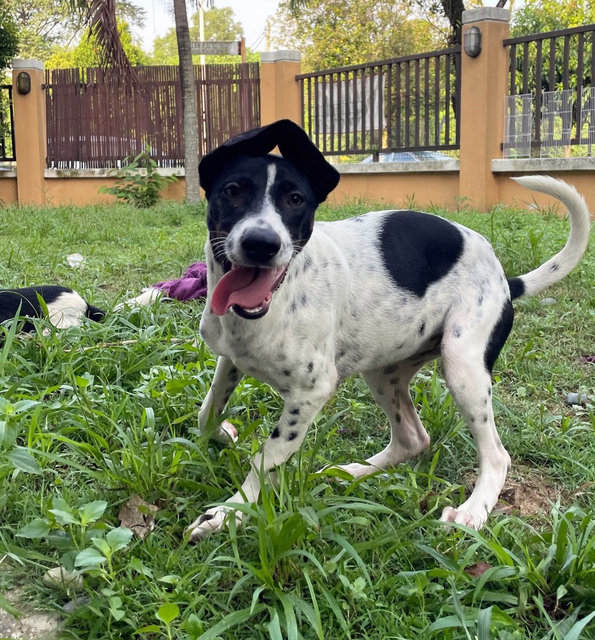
<point>453,10</point>
<point>189,104</point>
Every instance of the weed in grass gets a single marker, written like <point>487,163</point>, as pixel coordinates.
<point>139,188</point>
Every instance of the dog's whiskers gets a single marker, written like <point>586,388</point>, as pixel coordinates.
<point>218,247</point>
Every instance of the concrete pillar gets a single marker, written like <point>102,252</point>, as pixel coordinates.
<point>279,90</point>
<point>483,94</point>
<point>30,132</point>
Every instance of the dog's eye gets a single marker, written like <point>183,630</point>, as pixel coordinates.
<point>232,190</point>
<point>295,199</point>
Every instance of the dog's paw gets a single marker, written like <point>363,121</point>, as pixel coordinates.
<point>146,298</point>
<point>226,433</point>
<point>209,522</point>
<point>470,518</point>
<point>351,471</point>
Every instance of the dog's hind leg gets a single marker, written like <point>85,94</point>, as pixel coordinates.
<point>226,379</point>
<point>390,388</point>
<point>468,376</point>
<point>298,413</point>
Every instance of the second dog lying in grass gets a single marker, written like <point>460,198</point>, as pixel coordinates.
<point>65,307</point>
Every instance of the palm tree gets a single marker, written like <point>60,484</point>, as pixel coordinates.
<point>189,106</point>
<point>101,19</point>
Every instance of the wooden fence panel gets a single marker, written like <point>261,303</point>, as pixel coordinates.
<point>94,120</point>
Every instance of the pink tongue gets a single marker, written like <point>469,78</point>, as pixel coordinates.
<point>247,287</point>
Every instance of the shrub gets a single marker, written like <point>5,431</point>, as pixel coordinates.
<point>139,183</point>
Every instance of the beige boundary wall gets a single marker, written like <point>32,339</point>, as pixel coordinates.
<point>479,180</point>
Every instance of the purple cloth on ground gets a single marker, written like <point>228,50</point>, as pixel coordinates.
<point>192,285</point>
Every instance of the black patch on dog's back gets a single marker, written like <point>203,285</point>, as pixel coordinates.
<point>26,300</point>
<point>419,249</point>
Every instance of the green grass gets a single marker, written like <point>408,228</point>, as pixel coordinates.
<point>91,416</point>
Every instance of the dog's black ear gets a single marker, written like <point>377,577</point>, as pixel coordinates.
<point>294,145</point>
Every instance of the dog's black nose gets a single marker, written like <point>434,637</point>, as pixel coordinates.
<point>260,245</point>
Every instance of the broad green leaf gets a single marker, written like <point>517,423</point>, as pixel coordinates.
<point>274,627</point>
<point>103,546</point>
<point>64,517</point>
<point>194,625</point>
<point>92,511</point>
<point>447,622</point>
<point>117,614</point>
<point>38,528</point>
<point>484,621</point>
<point>118,538</point>
<point>229,621</point>
<point>577,627</point>
<point>290,619</point>
<point>24,405</point>
<point>89,559</point>
<point>150,628</point>
<point>4,439</point>
<point>173,387</point>
<point>24,461</point>
<point>82,382</point>
<point>168,612</point>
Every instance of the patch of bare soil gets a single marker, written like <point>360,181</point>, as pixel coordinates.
<point>527,493</point>
<point>31,624</point>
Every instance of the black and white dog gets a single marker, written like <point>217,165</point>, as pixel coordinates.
<point>302,306</point>
<point>65,307</point>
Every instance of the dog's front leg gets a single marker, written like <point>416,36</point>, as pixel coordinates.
<point>226,379</point>
<point>298,413</point>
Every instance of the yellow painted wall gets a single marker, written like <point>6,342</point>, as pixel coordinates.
<point>402,190</point>
<point>85,191</point>
<point>510,193</point>
<point>8,190</point>
<point>399,190</point>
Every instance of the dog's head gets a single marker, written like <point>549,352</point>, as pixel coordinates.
<point>261,210</point>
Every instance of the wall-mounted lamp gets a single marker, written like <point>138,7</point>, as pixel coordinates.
<point>23,83</point>
<point>472,42</point>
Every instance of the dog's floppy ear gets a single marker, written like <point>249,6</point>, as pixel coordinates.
<point>294,145</point>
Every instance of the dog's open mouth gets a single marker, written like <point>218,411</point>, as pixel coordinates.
<point>248,290</point>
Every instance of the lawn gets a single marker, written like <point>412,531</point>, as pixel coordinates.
<point>90,417</point>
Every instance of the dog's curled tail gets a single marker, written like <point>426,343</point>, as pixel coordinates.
<point>565,260</point>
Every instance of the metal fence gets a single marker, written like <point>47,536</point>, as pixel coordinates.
<point>551,104</point>
<point>402,104</point>
<point>7,146</point>
<point>94,120</point>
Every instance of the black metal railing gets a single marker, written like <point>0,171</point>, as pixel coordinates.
<point>552,90</point>
<point>403,104</point>
<point>7,147</point>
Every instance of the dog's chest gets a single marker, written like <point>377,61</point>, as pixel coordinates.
<point>274,350</point>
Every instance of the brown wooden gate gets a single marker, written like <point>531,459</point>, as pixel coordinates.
<point>94,120</point>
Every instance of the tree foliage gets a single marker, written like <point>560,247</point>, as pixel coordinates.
<point>8,36</point>
<point>87,53</point>
<point>42,25</point>
<point>220,24</point>
<point>445,15</point>
<point>336,33</point>
<point>538,16</point>
<point>47,26</point>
